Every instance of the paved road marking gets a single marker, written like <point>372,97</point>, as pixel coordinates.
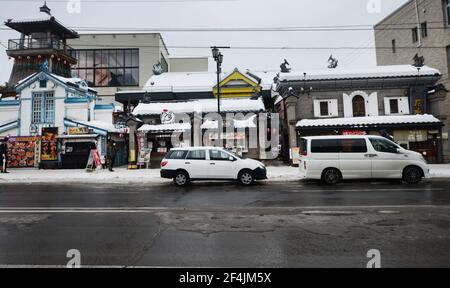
<point>370,190</point>
<point>13,266</point>
<point>195,209</point>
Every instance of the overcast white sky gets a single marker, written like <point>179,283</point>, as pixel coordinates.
<point>226,14</point>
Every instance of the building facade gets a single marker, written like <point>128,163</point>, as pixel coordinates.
<point>187,103</point>
<point>422,28</point>
<point>125,61</point>
<point>188,64</point>
<point>55,122</point>
<point>361,101</point>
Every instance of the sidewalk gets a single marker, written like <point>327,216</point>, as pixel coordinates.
<point>122,175</point>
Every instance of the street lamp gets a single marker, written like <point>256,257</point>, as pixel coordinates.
<point>218,57</point>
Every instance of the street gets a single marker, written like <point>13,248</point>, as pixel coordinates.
<point>221,224</point>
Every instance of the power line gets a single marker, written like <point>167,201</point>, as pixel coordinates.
<point>256,47</point>
<point>123,2</point>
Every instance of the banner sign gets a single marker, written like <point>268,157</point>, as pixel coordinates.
<point>21,151</point>
<point>145,155</point>
<point>49,145</point>
<point>94,160</point>
<point>353,132</point>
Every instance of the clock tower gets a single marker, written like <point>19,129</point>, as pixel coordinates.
<point>41,42</point>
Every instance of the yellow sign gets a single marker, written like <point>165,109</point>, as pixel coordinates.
<point>77,130</point>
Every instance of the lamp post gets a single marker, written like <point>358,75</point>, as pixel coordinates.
<point>218,57</point>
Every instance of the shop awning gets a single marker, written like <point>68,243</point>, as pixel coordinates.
<point>99,127</point>
<point>406,121</point>
<point>234,105</point>
<point>80,136</point>
<point>173,127</point>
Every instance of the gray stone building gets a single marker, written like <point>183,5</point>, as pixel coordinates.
<point>361,101</point>
<point>422,28</point>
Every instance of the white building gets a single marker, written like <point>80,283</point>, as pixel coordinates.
<point>48,101</point>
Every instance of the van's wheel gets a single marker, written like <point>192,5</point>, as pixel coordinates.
<point>412,175</point>
<point>331,176</point>
<point>246,177</point>
<point>181,178</point>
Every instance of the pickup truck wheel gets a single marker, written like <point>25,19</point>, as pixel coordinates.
<point>246,177</point>
<point>181,178</point>
<point>412,175</point>
<point>331,176</point>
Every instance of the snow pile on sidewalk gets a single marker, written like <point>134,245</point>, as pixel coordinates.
<point>122,175</point>
<point>439,170</point>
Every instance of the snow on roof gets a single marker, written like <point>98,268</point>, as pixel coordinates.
<point>202,105</point>
<point>371,72</point>
<point>74,81</point>
<point>172,127</point>
<point>237,123</point>
<point>197,81</point>
<point>80,83</point>
<point>26,20</point>
<point>370,120</point>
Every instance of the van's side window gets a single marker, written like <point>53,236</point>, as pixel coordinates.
<point>382,145</point>
<point>217,155</point>
<point>176,154</point>
<point>324,146</point>
<point>197,155</point>
<point>353,146</point>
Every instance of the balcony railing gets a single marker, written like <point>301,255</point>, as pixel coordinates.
<point>38,43</point>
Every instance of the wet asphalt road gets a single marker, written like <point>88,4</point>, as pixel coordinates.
<point>272,224</point>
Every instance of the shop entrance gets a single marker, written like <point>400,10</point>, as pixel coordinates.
<point>427,148</point>
<point>76,155</point>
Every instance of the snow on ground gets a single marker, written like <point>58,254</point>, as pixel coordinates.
<point>122,175</point>
<point>440,170</point>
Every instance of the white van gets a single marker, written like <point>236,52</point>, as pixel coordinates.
<point>334,158</point>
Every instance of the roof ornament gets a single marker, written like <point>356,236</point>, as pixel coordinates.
<point>285,67</point>
<point>45,9</point>
<point>333,62</point>
<point>276,78</point>
<point>157,69</point>
<point>419,61</point>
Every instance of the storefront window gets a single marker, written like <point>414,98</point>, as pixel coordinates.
<point>107,67</point>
